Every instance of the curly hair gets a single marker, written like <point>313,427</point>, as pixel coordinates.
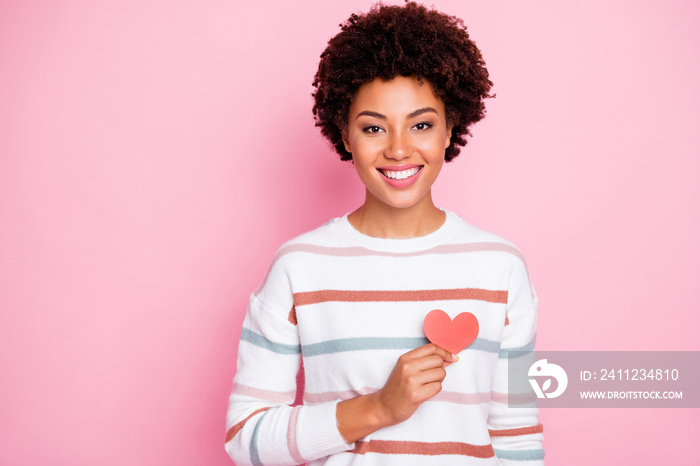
<point>408,40</point>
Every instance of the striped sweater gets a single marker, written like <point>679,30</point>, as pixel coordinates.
<point>349,305</point>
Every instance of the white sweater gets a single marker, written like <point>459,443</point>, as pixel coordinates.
<point>349,305</point>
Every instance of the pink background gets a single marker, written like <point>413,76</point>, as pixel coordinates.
<point>155,154</point>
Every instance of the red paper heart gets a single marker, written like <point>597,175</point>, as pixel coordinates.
<point>453,335</point>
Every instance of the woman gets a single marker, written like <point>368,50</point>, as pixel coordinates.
<point>396,92</point>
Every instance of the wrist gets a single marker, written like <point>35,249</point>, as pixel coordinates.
<point>377,411</point>
<point>360,416</point>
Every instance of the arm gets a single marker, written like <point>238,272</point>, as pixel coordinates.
<point>416,377</point>
<point>262,426</point>
<point>516,434</point>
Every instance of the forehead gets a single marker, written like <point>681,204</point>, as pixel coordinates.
<point>400,95</point>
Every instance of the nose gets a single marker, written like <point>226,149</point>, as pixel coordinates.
<point>398,146</point>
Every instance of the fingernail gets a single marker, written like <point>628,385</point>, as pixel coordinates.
<point>455,357</point>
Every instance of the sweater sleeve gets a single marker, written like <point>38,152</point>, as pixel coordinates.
<point>262,425</point>
<point>516,434</point>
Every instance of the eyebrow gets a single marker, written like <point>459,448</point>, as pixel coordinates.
<point>413,114</point>
<point>421,111</point>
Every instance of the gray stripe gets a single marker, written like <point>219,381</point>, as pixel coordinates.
<point>530,346</point>
<point>482,344</point>
<point>262,342</point>
<point>359,344</point>
<point>372,343</point>
<point>254,455</point>
<point>520,455</point>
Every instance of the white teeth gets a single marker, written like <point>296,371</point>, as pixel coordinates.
<point>401,175</point>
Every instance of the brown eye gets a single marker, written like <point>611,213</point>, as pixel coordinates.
<point>422,126</point>
<point>372,129</point>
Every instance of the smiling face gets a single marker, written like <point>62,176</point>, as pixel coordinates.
<point>397,134</point>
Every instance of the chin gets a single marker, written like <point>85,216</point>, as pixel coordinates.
<point>402,204</point>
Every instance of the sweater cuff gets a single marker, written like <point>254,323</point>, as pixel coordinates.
<point>317,431</point>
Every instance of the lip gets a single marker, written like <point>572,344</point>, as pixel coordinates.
<point>398,168</point>
<point>406,182</point>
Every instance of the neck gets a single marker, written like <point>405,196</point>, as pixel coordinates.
<point>377,219</point>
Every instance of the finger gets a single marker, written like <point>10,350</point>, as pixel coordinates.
<point>421,351</point>
<point>430,390</point>
<point>435,374</point>
<point>430,361</point>
<point>446,355</point>
<point>431,348</point>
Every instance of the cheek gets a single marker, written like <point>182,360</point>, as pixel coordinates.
<point>361,162</point>
<point>364,150</point>
<point>435,147</point>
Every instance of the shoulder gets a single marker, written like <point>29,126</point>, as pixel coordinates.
<point>485,245</point>
<point>330,233</point>
<point>497,252</point>
<point>466,230</point>
<point>467,233</point>
<point>300,249</point>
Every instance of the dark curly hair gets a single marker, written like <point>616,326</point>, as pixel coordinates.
<point>408,40</point>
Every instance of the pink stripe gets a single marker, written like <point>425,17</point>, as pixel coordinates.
<point>323,397</point>
<point>292,437</point>
<point>444,396</point>
<point>521,399</point>
<point>462,398</point>
<point>266,395</point>
<point>357,251</point>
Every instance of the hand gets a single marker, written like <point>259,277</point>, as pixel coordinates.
<point>416,377</point>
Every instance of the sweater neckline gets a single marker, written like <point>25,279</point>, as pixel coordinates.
<point>417,243</point>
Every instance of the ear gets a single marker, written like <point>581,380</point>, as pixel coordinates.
<point>448,137</point>
<point>346,141</point>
